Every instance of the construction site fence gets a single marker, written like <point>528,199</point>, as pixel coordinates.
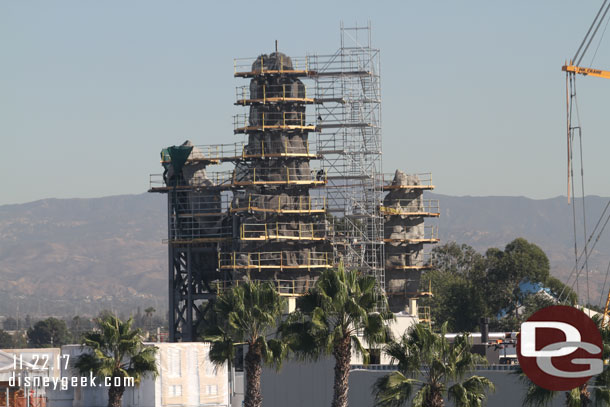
<point>278,175</point>
<point>274,260</point>
<point>419,179</point>
<point>263,64</point>
<point>199,180</point>
<point>283,230</point>
<point>263,93</point>
<point>400,206</point>
<point>279,204</point>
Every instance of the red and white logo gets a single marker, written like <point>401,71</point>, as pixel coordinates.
<point>560,348</point>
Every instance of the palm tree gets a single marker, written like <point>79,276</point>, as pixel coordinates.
<point>116,351</point>
<point>340,307</point>
<point>247,314</point>
<point>421,353</point>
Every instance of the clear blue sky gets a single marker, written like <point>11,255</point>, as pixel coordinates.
<point>90,91</point>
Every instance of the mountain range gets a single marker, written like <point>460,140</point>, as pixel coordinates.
<point>77,256</point>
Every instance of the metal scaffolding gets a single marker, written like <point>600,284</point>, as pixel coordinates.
<point>348,124</point>
<point>276,218</point>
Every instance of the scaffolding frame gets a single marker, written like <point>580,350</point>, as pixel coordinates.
<point>348,114</point>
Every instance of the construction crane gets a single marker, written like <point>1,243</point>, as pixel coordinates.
<point>572,68</point>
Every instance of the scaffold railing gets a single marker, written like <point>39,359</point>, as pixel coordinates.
<point>279,148</point>
<point>278,176</point>
<point>411,207</point>
<point>249,67</point>
<point>284,230</point>
<point>283,260</point>
<point>263,94</point>
<point>425,234</point>
<point>303,204</point>
<point>414,181</point>
<point>201,204</point>
<point>184,228</point>
<point>289,288</point>
<point>244,123</point>
<point>221,179</point>
<point>411,261</point>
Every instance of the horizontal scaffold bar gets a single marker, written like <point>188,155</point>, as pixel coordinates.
<point>280,204</point>
<point>288,288</point>
<point>284,260</point>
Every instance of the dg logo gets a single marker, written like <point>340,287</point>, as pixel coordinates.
<point>560,348</point>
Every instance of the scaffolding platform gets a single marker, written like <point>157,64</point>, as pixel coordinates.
<point>284,260</point>
<point>272,94</point>
<point>430,235</point>
<point>212,180</point>
<point>283,231</point>
<point>278,176</point>
<point>217,153</point>
<point>285,288</point>
<point>283,121</point>
<point>410,207</point>
<point>424,182</point>
<point>281,204</point>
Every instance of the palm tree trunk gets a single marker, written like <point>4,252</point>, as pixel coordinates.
<point>585,396</point>
<point>253,377</point>
<point>435,397</point>
<point>342,352</point>
<point>115,395</point>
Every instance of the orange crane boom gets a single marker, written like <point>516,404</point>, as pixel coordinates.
<point>586,71</point>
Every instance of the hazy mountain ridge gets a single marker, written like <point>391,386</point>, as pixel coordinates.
<point>69,255</point>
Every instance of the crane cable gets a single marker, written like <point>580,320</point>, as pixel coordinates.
<point>589,37</point>
<point>575,269</point>
<point>571,101</point>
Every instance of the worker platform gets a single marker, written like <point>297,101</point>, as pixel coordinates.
<point>430,235</point>
<point>278,176</point>
<point>272,94</point>
<point>411,207</point>
<point>281,204</point>
<point>283,231</point>
<point>285,288</point>
<point>423,181</point>
<point>283,260</point>
<point>268,121</point>
<point>211,180</point>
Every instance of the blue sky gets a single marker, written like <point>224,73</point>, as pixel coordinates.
<point>472,91</point>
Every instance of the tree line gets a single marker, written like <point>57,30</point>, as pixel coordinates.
<point>467,285</point>
<point>56,332</point>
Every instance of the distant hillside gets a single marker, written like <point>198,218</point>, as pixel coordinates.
<point>79,255</point>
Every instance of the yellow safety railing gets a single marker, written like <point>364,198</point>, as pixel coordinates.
<point>283,230</point>
<point>426,207</point>
<point>243,66</point>
<point>283,287</point>
<point>287,176</point>
<point>274,260</point>
<point>271,121</point>
<point>276,149</point>
<point>281,204</point>
<point>294,92</point>
<point>430,235</point>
